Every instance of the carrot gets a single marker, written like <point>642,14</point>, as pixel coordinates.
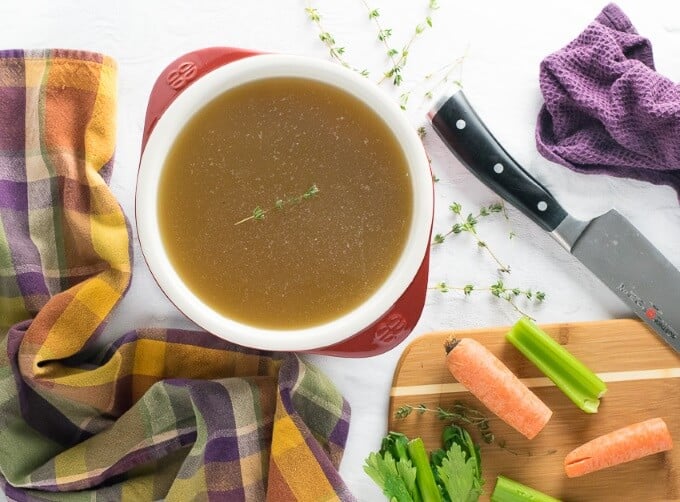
<point>490,381</point>
<point>622,445</point>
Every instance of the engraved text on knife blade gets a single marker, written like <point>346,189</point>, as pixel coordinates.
<point>650,311</point>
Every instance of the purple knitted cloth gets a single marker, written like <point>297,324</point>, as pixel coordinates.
<point>606,108</point>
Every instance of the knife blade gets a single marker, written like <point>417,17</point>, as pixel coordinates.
<point>608,245</point>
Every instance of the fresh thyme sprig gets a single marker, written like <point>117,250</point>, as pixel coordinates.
<point>427,79</point>
<point>469,224</point>
<point>395,72</point>
<point>525,452</point>
<point>383,34</point>
<point>397,57</point>
<point>259,213</point>
<point>445,74</point>
<point>498,289</point>
<point>421,134</point>
<point>459,414</point>
<point>335,51</point>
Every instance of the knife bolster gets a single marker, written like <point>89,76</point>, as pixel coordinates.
<point>568,231</point>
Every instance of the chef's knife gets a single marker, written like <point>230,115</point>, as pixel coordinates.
<point>609,245</point>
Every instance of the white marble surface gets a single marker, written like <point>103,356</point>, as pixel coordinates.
<point>505,41</point>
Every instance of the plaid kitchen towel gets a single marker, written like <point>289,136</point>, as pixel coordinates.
<point>161,413</point>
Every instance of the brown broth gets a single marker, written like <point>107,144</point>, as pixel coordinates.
<point>309,262</point>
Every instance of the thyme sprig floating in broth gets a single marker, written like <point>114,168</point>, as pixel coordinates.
<point>259,212</point>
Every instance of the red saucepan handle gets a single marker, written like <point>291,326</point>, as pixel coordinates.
<point>180,73</point>
<point>393,327</point>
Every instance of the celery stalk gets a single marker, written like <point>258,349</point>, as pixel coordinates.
<point>507,490</point>
<point>569,374</point>
<point>424,475</point>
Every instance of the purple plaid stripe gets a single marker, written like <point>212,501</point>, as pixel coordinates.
<point>30,279</point>
<point>32,283</point>
<point>341,429</point>
<point>12,134</point>
<point>13,195</point>
<point>222,496</point>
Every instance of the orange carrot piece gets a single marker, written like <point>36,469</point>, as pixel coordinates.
<point>490,381</point>
<point>619,446</point>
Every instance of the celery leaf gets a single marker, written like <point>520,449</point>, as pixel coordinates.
<point>459,476</point>
<point>396,479</point>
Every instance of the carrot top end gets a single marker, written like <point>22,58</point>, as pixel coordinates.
<point>451,343</point>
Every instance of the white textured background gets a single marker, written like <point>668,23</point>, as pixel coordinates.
<point>505,42</point>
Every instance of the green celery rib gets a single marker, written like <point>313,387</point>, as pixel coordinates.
<point>569,374</point>
<point>507,490</point>
<point>429,492</point>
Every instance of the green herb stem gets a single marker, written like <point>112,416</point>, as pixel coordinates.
<point>569,374</point>
<point>498,289</point>
<point>507,490</point>
<point>383,35</point>
<point>395,72</point>
<point>447,71</point>
<point>259,213</point>
<point>482,244</point>
<point>398,63</point>
<point>396,443</point>
<point>469,225</point>
<point>459,414</point>
<point>429,93</point>
<point>336,52</point>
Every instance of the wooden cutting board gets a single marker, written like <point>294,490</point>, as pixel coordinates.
<point>643,379</point>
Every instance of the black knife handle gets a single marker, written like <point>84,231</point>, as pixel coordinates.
<point>472,143</point>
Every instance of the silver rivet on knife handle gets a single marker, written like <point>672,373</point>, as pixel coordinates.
<point>468,138</point>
